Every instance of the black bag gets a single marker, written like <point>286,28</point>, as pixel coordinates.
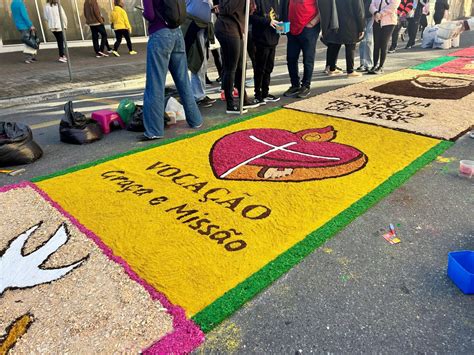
<point>136,122</point>
<point>76,128</point>
<point>17,146</point>
<point>31,39</point>
<point>172,12</point>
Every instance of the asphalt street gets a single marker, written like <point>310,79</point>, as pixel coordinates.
<point>357,293</point>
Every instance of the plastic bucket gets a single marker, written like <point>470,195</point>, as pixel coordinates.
<point>461,270</point>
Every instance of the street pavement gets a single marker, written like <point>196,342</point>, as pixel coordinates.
<point>355,294</point>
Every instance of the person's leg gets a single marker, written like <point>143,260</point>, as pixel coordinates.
<point>395,35</point>
<point>293,50</point>
<point>385,37</point>
<point>258,70</point>
<point>126,34</point>
<point>377,41</point>
<point>103,39</point>
<point>332,54</point>
<point>118,39</point>
<point>239,69</point>
<point>350,51</point>
<point>267,70</point>
<point>178,66</point>
<point>308,38</point>
<point>216,54</point>
<point>198,80</point>
<point>251,49</point>
<point>366,46</point>
<point>95,38</point>
<point>159,48</point>
<point>60,41</point>
<point>412,30</point>
<point>230,49</point>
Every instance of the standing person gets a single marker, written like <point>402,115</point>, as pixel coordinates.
<point>264,22</point>
<point>165,50</point>
<point>303,16</point>
<point>95,20</point>
<point>385,19</point>
<point>424,17</point>
<point>404,9</point>
<point>350,30</point>
<point>51,14</point>
<point>414,21</point>
<point>196,35</point>
<point>230,27</point>
<point>23,24</point>
<point>441,7</point>
<point>122,28</point>
<point>366,46</point>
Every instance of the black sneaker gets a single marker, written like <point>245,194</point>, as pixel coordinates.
<point>362,69</point>
<point>260,101</point>
<point>376,70</point>
<point>304,92</point>
<point>219,79</point>
<point>206,101</point>
<point>271,98</point>
<point>292,91</point>
<point>253,103</point>
<point>208,81</point>
<point>234,110</point>
<point>144,138</point>
<point>392,50</point>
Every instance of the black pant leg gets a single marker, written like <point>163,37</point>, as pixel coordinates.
<point>350,51</point>
<point>385,37</point>
<point>251,49</point>
<point>118,39</point>
<point>217,60</point>
<point>95,38</point>
<point>268,69</point>
<point>60,41</point>
<point>332,54</point>
<point>377,42</point>
<point>260,59</point>
<point>103,41</point>
<point>126,34</point>
<point>395,35</point>
<point>230,50</point>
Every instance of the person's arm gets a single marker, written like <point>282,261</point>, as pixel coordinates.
<point>127,22</point>
<point>25,16</point>
<point>408,7</point>
<point>258,17</point>
<point>46,12</point>
<point>64,17</point>
<point>373,8</point>
<point>96,10</point>
<point>148,10</point>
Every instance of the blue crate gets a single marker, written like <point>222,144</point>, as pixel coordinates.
<point>461,270</point>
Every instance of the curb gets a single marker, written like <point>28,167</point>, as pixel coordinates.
<point>67,93</point>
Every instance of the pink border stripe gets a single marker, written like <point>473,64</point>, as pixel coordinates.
<point>186,336</point>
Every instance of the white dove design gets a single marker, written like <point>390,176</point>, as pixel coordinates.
<point>21,271</point>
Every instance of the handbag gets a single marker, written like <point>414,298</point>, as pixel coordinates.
<point>30,39</point>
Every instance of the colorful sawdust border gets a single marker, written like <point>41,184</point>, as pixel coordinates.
<point>186,335</point>
<point>433,63</point>
<point>235,298</point>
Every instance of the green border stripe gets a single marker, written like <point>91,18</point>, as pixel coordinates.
<point>433,63</point>
<point>163,142</point>
<point>224,306</point>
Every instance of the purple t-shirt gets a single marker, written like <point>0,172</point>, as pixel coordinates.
<point>155,23</point>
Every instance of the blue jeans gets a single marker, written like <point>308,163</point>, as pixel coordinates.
<point>366,46</point>
<point>198,80</point>
<point>166,50</point>
<point>304,42</point>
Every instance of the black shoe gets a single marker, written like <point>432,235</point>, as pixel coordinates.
<point>253,103</point>
<point>338,68</point>
<point>208,81</point>
<point>376,70</point>
<point>392,50</point>
<point>206,101</point>
<point>408,46</point>
<point>292,91</point>
<point>219,79</point>
<point>260,100</point>
<point>304,92</point>
<point>271,98</point>
<point>144,138</point>
<point>362,69</point>
<point>234,110</point>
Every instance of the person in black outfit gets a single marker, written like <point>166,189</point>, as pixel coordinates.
<point>265,37</point>
<point>351,25</point>
<point>414,23</point>
<point>230,27</point>
<point>441,6</point>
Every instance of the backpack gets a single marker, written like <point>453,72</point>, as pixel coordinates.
<point>172,12</point>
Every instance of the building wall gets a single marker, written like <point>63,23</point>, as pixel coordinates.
<point>77,29</point>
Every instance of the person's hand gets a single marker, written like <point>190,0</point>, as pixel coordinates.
<point>361,35</point>
<point>378,17</point>
<point>32,28</point>
<point>275,24</point>
<point>215,9</point>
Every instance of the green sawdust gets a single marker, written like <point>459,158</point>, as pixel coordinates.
<point>433,63</point>
<point>223,307</point>
<point>151,146</point>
